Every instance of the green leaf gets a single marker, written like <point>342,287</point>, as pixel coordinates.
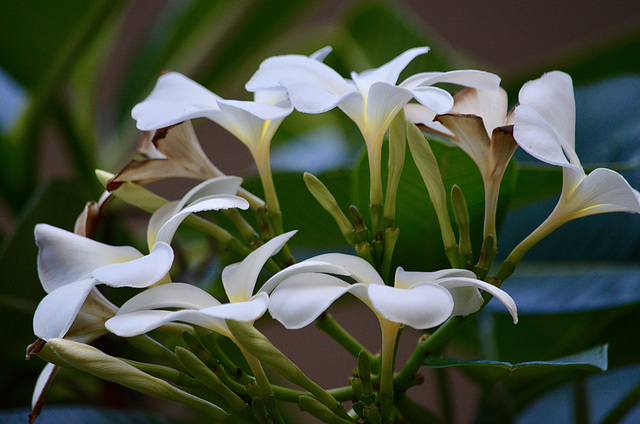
<point>520,374</point>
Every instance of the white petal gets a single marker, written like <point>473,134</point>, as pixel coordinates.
<point>174,99</point>
<point>552,97</point>
<point>205,204</point>
<point>248,311</point>
<point>499,294</point>
<point>307,266</point>
<point>301,298</point>
<point>57,311</point>
<point>603,190</point>
<point>423,306</point>
<point>240,279</point>
<point>538,138</point>
<point>321,54</point>
<point>227,184</point>
<point>465,77</point>
<point>359,269</point>
<point>44,380</point>
<point>140,322</point>
<point>142,272</point>
<point>307,97</point>
<point>64,257</point>
<point>388,72</point>
<point>298,68</point>
<point>249,128</point>
<point>158,219</point>
<point>172,295</point>
<point>383,104</point>
<point>406,279</point>
<point>434,98</point>
<point>262,111</point>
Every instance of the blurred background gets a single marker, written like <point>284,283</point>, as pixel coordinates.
<point>71,71</point>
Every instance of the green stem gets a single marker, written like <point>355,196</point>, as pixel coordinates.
<point>408,373</point>
<point>329,325</point>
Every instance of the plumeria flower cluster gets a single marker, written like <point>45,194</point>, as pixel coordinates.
<point>72,266</point>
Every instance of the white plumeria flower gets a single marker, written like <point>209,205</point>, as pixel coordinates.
<point>371,98</point>
<point>70,266</point>
<point>544,126</point>
<point>176,98</point>
<point>479,124</point>
<point>144,313</point>
<point>417,299</point>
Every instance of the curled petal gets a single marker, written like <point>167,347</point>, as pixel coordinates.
<point>308,266</point>
<point>422,306</point>
<point>407,279</point>
<point>64,257</point>
<point>358,268</point>
<point>240,279</point>
<point>248,311</point>
<point>58,310</point>
<point>42,384</point>
<point>465,77</point>
<point>501,295</point>
<point>141,272</point>
<point>174,295</point>
<point>218,202</point>
<point>141,322</point>
<point>301,298</point>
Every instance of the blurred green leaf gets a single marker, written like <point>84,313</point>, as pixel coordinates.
<point>19,150</point>
<point>57,203</point>
<point>523,373</point>
<point>217,43</point>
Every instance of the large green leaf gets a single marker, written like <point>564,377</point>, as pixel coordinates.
<point>523,373</point>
